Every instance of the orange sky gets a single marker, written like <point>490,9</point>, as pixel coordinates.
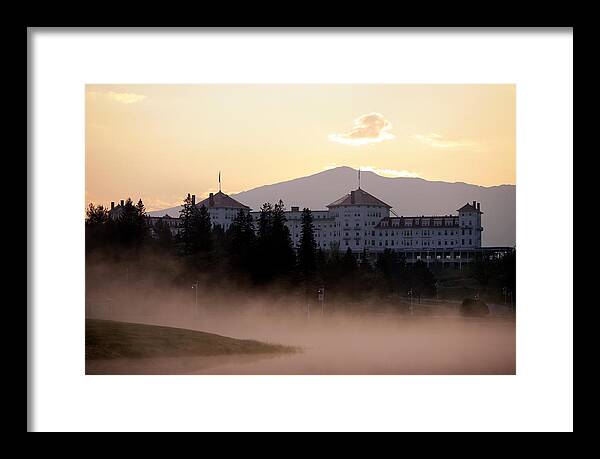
<point>160,142</point>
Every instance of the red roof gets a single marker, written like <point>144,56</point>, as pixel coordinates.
<point>359,197</point>
<point>220,199</point>
<point>468,208</point>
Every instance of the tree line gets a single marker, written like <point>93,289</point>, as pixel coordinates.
<point>259,253</point>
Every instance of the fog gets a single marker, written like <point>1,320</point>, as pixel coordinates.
<point>344,338</point>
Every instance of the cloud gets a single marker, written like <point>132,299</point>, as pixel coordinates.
<point>155,203</point>
<point>126,97</point>
<point>121,97</point>
<point>366,129</point>
<point>383,172</point>
<point>389,172</point>
<point>438,141</point>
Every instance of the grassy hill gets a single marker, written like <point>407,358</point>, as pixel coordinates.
<point>105,339</point>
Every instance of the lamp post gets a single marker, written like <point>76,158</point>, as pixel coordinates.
<point>195,287</point>
<point>410,308</point>
<point>321,296</point>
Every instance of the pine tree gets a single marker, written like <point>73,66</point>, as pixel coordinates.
<point>307,251</point>
<point>96,227</point>
<point>365,266</point>
<point>96,215</point>
<point>163,234</point>
<point>265,223</point>
<point>131,225</point>
<point>422,280</point>
<point>195,239</point>
<point>241,242</point>
<point>284,257</point>
<point>348,261</point>
<point>264,255</point>
<point>186,236</point>
<point>201,227</point>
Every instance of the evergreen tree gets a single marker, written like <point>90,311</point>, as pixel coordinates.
<point>96,227</point>
<point>163,235</point>
<point>241,243</point>
<point>349,261</point>
<point>422,280</point>
<point>96,215</point>
<point>307,252</point>
<point>131,227</point>
<point>186,236</point>
<point>264,266</point>
<point>321,263</point>
<point>202,226</point>
<point>284,257</point>
<point>365,266</point>
<point>141,209</point>
<point>195,236</point>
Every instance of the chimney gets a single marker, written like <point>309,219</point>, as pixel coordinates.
<point>211,200</point>
<point>479,207</point>
<point>475,204</point>
<point>295,209</point>
<point>352,198</point>
<point>193,200</point>
<point>112,205</point>
<point>122,202</point>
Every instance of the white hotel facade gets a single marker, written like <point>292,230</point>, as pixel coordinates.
<point>365,224</point>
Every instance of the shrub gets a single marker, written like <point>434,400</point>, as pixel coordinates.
<point>471,307</point>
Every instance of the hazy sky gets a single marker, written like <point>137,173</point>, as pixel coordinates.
<point>160,142</point>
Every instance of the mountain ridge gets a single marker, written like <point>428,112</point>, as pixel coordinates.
<point>407,196</point>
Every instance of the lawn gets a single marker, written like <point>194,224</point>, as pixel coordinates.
<point>105,339</point>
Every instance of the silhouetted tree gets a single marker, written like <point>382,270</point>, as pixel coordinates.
<point>349,261</point>
<point>422,280</point>
<point>96,215</point>
<point>241,243</point>
<point>164,237</point>
<point>195,238</point>
<point>131,226</point>
<point>96,228</point>
<point>307,252</point>
<point>186,232</point>
<point>263,265</point>
<point>282,252</point>
<point>483,270</point>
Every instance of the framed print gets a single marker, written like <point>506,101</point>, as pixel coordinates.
<point>300,230</point>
